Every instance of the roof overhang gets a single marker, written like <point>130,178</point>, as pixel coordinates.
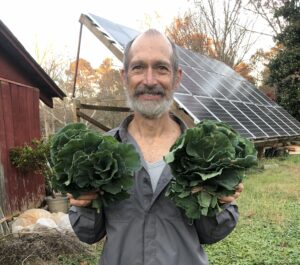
<point>23,60</point>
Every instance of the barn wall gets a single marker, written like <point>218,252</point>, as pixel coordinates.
<point>19,123</point>
<point>10,71</point>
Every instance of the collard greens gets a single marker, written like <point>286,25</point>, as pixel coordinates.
<point>207,161</point>
<point>84,160</point>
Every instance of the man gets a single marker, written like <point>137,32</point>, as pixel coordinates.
<point>148,228</point>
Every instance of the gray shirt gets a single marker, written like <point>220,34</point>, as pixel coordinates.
<point>148,228</point>
<point>154,170</point>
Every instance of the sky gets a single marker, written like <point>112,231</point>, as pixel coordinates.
<point>53,25</point>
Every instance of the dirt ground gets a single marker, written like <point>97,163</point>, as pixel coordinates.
<point>39,248</point>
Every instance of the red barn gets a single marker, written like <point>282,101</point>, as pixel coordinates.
<point>22,84</point>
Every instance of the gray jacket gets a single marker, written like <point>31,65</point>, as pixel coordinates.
<point>147,228</point>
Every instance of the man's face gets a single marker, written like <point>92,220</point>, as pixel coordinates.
<point>150,80</point>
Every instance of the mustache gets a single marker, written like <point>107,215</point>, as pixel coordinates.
<point>152,90</point>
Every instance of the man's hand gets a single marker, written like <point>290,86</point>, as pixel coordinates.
<point>228,199</point>
<point>83,200</point>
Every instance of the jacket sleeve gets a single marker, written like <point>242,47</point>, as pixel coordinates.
<point>88,225</point>
<point>213,229</point>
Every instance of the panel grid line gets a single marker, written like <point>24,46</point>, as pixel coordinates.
<point>232,121</point>
<point>248,112</point>
<point>273,118</point>
<point>282,119</point>
<point>235,119</point>
<point>246,120</point>
<point>292,119</point>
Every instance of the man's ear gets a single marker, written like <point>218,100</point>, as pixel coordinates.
<point>178,78</point>
<point>123,75</point>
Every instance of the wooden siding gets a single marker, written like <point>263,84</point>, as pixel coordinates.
<point>19,124</point>
<point>9,70</point>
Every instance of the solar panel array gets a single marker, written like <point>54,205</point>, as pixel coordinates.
<point>212,90</point>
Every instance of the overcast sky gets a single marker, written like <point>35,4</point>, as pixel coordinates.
<point>53,24</point>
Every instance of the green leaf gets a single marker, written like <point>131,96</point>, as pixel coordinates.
<point>84,160</point>
<point>130,157</point>
<point>184,194</point>
<point>111,188</point>
<point>212,155</point>
<point>204,199</point>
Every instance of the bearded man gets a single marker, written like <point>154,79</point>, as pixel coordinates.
<point>148,228</point>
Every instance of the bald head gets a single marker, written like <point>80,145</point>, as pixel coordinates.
<point>151,33</point>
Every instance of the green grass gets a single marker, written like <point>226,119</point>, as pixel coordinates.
<point>268,231</point>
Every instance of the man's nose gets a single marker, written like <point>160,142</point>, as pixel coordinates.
<point>150,77</point>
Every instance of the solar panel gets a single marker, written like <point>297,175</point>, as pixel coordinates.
<point>196,110</point>
<point>212,90</point>
<point>119,33</point>
<point>286,117</point>
<point>255,118</point>
<point>216,82</point>
<point>233,99</point>
<point>242,117</point>
<point>192,87</point>
<point>224,115</point>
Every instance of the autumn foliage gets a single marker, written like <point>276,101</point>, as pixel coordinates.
<point>184,32</point>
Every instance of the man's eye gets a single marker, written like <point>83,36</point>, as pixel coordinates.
<point>162,68</point>
<point>136,67</point>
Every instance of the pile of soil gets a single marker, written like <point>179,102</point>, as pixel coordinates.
<point>39,248</point>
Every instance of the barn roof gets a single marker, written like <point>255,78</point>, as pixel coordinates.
<point>19,56</point>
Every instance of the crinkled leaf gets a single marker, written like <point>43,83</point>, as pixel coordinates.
<point>184,194</point>
<point>111,188</point>
<point>213,156</point>
<point>84,160</point>
<point>130,157</point>
<point>204,199</point>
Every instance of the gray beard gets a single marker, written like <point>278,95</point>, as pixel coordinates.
<point>149,109</point>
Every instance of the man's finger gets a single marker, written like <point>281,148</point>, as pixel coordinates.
<point>80,203</point>
<point>87,196</point>
<point>240,187</point>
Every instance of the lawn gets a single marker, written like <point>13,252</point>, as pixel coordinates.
<point>268,232</point>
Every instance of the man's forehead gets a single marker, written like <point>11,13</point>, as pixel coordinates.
<point>148,40</point>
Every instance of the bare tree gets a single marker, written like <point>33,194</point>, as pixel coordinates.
<point>229,28</point>
<point>55,66</point>
<point>266,10</point>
